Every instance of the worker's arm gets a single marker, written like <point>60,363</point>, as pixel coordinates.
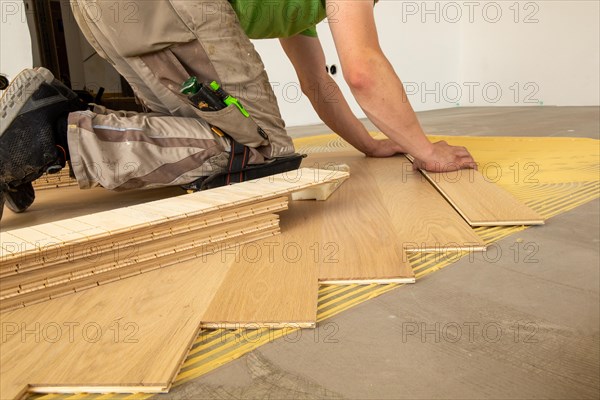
<point>378,89</point>
<point>306,54</point>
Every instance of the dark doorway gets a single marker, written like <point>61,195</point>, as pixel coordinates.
<point>46,38</point>
<point>49,20</point>
<point>60,45</point>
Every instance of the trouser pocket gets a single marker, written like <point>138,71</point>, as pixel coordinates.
<point>172,69</point>
<point>241,128</point>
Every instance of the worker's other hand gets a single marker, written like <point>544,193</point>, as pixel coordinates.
<point>445,157</point>
<point>384,148</point>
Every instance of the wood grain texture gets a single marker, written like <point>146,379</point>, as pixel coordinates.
<point>56,250</point>
<point>24,290</point>
<point>351,234</point>
<point>321,192</point>
<point>71,202</point>
<point>279,294</point>
<point>481,202</point>
<point>159,233</point>
<point>163,307</point>
<point>420,218</point>
<point>347,239</point>
<point>272,282</point>
<point>132,334</point>
<point>423,220</point>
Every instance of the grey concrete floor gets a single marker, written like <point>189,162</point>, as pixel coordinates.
<point>519,328</point>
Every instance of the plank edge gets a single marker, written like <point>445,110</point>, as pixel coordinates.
<point>258,325</point>
<point>382,281</point>
<point>100,389</point>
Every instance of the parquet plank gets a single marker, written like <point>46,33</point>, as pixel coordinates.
<point>131,335</point>
<point>33,286</point>
<point>481,202</point>
<point>423,219</point>
<point>57,254</point>
<point>351,231</point>
<point>272,282</point>
<point>52,251</point>
<point>165,307</point>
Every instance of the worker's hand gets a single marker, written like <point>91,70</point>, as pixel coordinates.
<point>384,148</point>
<point>444,158</point>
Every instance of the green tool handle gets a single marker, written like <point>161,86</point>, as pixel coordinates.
<point>190,86</point>
<point>227,99</point>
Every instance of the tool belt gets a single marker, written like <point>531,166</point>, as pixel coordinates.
<point>238,169</point>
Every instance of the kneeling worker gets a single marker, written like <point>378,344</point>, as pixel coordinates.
<point>164,43</point>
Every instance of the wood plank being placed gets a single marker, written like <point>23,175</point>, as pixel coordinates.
<point>481,202</point>
<point>421,219</point>
<point>348,239</point>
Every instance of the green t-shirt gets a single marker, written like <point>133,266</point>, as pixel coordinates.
<point>263,19</point>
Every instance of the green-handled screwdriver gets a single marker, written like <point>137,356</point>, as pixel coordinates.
<point>227,99</point>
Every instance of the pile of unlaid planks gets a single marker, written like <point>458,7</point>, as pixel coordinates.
<point>51,181</point>
<point>49,260</point>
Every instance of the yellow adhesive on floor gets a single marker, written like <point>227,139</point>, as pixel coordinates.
<point>551,175</point>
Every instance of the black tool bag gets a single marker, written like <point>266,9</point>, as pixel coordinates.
<point>238,169</point>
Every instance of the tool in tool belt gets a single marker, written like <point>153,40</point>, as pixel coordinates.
<point>227,99</point>
<point>211,97</point>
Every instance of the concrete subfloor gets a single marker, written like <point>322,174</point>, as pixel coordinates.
<point>517,328</point>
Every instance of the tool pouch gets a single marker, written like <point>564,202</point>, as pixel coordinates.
<point>238,169</point>
<point>241,129</point>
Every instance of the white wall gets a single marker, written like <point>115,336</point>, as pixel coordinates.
<point>410,56</point>
<point>422,53</point>
<point>15,40</point>
<point>473,53</point>
<point>448,53</point>
<point>546,53</point>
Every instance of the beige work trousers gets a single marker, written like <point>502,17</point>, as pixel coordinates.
<point>156,45</point>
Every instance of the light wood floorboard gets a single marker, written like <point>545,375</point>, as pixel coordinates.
<point>481,202</point>
<point>132,333</point>
<point>351,234</point>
